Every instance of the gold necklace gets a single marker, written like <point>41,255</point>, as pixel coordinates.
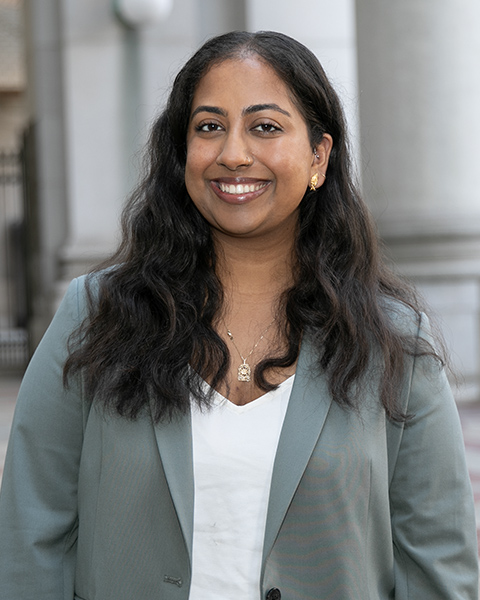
<point>244,371</point>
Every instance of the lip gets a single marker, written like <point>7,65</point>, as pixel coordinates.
<point>252,188</point>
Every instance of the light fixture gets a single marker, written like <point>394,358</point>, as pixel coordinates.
<point>138,13</point>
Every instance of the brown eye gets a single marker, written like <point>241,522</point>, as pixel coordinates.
<point>208,127</point>
<point>266,128</point>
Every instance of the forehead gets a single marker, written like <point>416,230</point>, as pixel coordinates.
<point>243,82</point>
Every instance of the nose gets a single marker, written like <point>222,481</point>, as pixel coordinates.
<point>234,153</point>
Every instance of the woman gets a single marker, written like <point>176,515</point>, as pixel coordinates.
<point>252,405</point>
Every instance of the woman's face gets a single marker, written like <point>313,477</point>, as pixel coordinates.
<point>249,157</point>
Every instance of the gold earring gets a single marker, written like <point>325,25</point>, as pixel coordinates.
<point>314,182</point>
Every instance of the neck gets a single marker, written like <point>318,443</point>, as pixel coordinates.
<point>253,276</point>
<point>252,270</point>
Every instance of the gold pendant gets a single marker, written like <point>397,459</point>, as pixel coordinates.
<point>243,372</point>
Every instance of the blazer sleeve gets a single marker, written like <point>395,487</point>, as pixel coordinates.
<point>433,519</point>
<point>38,500</point>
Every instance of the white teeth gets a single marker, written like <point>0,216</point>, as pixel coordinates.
<point>240,189</point>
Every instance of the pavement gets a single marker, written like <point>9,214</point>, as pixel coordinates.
<point>469,416</point>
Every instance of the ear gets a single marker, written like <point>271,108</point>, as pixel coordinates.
<point>320,158</point>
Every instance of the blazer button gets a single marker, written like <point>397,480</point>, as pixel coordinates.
<point>274,594</point>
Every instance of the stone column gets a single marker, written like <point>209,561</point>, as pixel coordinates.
<point>92,64</point>
<point>328,29</point>
<point>419,80</point>
<point>219,16</point>
<point>45,142</point>
<point>115,78</point>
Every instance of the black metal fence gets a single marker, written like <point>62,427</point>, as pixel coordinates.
<point>13,305</point>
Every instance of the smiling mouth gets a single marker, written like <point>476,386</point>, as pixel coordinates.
<point>241,188</point>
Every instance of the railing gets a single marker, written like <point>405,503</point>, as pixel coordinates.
<point>13,311</point>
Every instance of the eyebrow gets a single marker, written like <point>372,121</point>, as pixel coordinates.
<point>246,111</point>
<point>210,109</point>
<point>259,107</point>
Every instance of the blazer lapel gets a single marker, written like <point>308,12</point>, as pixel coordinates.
<point>307,410</point>
<point>174,441</point>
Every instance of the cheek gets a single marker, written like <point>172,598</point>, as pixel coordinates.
<point>193,169</point>
<point>198,160</point>
<point>295,161</point>
<point>194,178</point>
<point>191,162</point>
<point>294,173</point>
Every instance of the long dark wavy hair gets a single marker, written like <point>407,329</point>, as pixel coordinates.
<point>149,332</point>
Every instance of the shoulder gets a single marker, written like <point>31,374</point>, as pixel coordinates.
<point>87,287</point>
<point>404,318</point>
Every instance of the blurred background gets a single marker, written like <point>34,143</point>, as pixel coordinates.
<point>82,80</point>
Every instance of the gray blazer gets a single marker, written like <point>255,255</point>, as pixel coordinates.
<point>97,507</point>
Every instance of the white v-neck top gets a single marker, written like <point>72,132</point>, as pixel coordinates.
<point>234,450</point>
